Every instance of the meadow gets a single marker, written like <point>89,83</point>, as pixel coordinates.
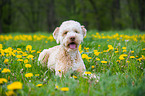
<point>117,58</point>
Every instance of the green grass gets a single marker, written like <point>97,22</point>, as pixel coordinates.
<point>124,78</point>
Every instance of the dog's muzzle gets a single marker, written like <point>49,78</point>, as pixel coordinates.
<point>72,45</point>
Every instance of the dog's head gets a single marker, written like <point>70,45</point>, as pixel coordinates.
<point>70,34</point>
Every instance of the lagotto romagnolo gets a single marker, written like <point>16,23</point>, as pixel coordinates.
<point>66,56</point>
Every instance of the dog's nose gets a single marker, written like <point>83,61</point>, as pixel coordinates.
<point>72,38</point>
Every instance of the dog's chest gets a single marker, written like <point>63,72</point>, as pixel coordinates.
<point>74,60</point>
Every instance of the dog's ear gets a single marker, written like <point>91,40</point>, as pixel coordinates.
<point>55,34</point>
<point>84,31</point>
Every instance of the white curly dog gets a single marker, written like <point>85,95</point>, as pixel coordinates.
<point>66,56</point>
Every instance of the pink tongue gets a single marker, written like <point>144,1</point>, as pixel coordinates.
<point>72,46</point>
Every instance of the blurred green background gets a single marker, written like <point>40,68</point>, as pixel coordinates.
<point>45,15</point>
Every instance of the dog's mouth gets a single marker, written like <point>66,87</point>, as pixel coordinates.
<point>72,45</point>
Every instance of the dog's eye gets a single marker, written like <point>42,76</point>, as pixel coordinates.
<point>65,32</point>
<point>76,31</point>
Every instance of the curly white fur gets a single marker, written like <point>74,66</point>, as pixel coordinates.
<point>66,56</point>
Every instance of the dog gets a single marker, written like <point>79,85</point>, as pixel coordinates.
<point>66,56</point>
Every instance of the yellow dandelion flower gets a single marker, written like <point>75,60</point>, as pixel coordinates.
<point>97,59</point>
<point>74,76</point>
<point>38,85</point>
<point>105,50</point>
<point>116,51</point>
<point>124,55</point>
<point>127,61</point>
<point>110,47</point>
<point>59,70</point>
<point>143,49</point>
<point>5,70</point>
<point>96,53</point>
<point>87,72</point>
<point>38,51</point>
<point>93,66</point>
<point>103,61</point>
<point>19,56</point>
<point>15,85</point>
<point>139,59</point>
<point>56,87</point>
<point>2,80</point>
<point>80,47</point>
<point>28,75</point>
<point>30,56</point>
<point>25,54</point>
<point>36,74</point>
<point>124,51</point>
<point>121,57</point>
<point>118,61</point>
<point>10,93</point>
<point>64,89</point>
<point>14,51</point>
<point>131,57</point>
<point>50,38</point>
<point>0,68</point>
<point>87,48</point>
<point>28,47</point>
<point>132,51</point>
<point>28,65</point>
<point>20,60</point>
<point>84,56</point>
<point>26,61</point>
<point>46,41</point>
<point>89,58</point>
<point>19,49</point>
<point>124,48</point>
<point>81,51</point>
<point>1,46</point>
<point>143,57</point>
<point>19,52</point>
<point>6,61</point>
<point>13,54</point>
<point>33,51</point>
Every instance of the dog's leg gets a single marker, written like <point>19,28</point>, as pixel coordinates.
<point>59,70</point>
<point>81,67</point>
<point>43,57</point>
